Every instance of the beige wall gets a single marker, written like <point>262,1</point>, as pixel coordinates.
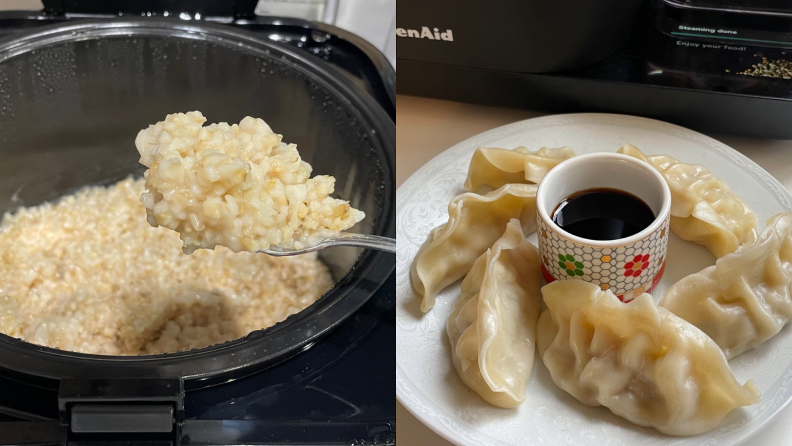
<point>7,5</point>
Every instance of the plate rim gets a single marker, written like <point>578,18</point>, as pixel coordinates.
<point>733,155</point>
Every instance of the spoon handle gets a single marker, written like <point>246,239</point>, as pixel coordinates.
<point>377,242</point>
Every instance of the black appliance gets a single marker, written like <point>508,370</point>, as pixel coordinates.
<point>75,81</point>
<point>711,65</point>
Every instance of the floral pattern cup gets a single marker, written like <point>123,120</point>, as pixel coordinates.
<point>628,266</point>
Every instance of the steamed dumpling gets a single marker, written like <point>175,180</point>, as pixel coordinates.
<point>745,299</point>
<point>475,222</point>
<point>495,167</point>
<point>703,209</point>
<point>492,327</point>
<point>637,359</point>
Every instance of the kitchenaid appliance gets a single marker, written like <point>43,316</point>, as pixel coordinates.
<point>77,81</point>
<point>712,65</point>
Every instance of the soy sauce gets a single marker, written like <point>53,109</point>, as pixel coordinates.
<point>602,214</point>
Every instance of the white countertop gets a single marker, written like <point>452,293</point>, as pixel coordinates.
<point>426,127</point>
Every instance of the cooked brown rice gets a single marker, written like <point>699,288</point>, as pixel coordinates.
<point>235,185</point>
<point>89,274</point>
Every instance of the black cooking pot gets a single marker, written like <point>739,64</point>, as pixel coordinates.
<point>72,98</point>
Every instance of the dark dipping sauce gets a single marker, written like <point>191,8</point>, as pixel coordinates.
<point>602,214</point>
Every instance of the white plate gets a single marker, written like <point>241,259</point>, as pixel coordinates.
<point>426,382</point>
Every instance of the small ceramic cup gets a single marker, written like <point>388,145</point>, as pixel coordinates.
<point>627,266</point>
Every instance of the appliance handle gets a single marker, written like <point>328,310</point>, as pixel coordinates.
<point>142,406</point>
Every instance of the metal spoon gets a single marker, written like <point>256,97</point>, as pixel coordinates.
<point>342,239</point>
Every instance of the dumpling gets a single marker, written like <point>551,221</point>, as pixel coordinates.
<point>745,299</point>
<point>637,359</point>
<point>475,222</point>
<point>492,327</point>
<point>703,209</point>
<point>495,167</point>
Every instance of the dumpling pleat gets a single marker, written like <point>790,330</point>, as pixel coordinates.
<point>746,298</point>
<point>492,327</point>
<point>475,222</point>
<point>493,167</point>
<point>703,208</point>
<point>645,364</point>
